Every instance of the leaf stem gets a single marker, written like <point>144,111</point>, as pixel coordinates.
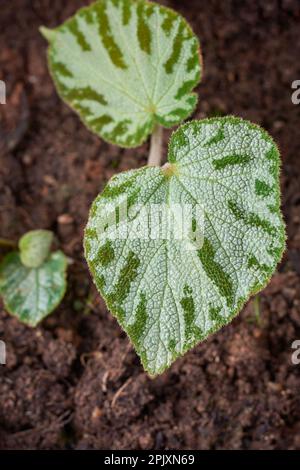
<point>155,153</point>
<point>256,308</point>
<point>8,243</point>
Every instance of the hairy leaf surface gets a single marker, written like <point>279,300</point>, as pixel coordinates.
<point>32,293</point>
<point>125,65</point>
<point>166,295</point>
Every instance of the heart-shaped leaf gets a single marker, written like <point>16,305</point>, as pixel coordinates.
<point>32,293</point>
<point>167,292</point>
<point>125,65</point>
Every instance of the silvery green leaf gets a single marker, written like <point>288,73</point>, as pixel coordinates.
<point>125,65</point>
<point>167,292</point>
<point>34,247</point>
<point>32,293</point>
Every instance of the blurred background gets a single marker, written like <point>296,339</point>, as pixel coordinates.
<point>74,382</point>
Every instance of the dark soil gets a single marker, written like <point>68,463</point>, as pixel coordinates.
<point>75,382</point>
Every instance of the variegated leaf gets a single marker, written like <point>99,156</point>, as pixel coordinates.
<point>166,295</point>
<point>32,293</point>
<point>125,65</point>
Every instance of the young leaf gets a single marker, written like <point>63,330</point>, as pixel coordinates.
<point>31,293</point>
<point>125,65</point>
<point>167,296</point>
<point>35,247</point>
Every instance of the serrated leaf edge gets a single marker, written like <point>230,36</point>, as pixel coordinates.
<point>48,34</point>
<point>253,290</point>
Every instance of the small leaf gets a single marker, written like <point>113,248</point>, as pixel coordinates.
<point>34,247</point>
<point>124,66</point>
<point>32,293</point>
<point>168,294</point>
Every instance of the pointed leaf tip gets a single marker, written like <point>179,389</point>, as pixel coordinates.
<point>47,33</point>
